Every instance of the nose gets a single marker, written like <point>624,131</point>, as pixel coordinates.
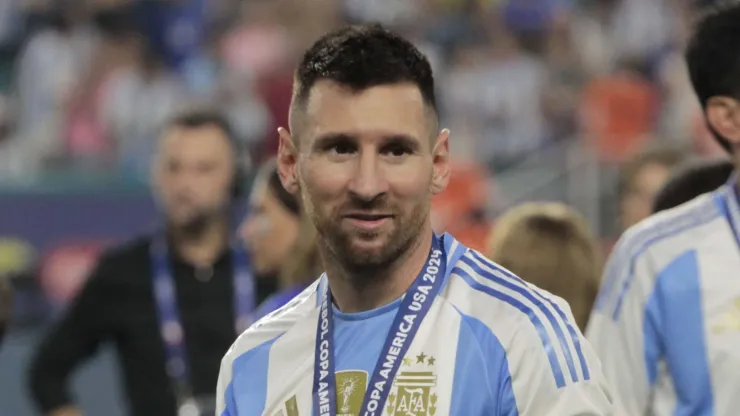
<point>369,179</point>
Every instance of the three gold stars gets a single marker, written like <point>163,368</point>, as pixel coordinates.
<point>420,359</point>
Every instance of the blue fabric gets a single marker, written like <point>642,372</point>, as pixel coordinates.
<point>277,300</point>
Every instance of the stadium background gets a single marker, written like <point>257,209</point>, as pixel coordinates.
<point>545,99</point>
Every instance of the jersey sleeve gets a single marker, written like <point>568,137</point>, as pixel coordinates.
<point>225,405</point>
<point>532,390</point>
<point>617,329</point>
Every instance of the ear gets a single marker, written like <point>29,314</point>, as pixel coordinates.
<point>287,158</point>
<point>441,160</point>
<point>723,116</point>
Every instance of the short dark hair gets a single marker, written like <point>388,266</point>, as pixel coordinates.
<point>713,59</point>
<point>667,156</point>
<point>692,179</point>
<point>360,57</point>
<point>195,118</point>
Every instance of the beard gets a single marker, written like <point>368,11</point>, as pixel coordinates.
<point>339,241</point>
<point>195,225</point>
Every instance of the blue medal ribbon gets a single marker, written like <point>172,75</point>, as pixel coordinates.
<point>170,325</point>
<point>414,307</point>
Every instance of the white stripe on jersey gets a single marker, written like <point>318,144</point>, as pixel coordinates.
<point>558,336</point>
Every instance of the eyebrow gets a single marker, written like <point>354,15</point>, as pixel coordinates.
<point>329,139</point>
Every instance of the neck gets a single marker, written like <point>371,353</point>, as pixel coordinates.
<point>352,293</point>
<point>202,249</point>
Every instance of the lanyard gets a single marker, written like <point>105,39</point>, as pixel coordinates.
<point>414,307</point>
<point>169,315</point>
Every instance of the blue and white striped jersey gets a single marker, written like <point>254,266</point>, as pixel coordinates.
<point>490,345</point>
<point>666,323</point>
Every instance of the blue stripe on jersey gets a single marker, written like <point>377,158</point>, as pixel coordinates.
<point>230,409</point>
<point>528,294</point>
<point>250,374</point>
<point>678,297</point>
<point>725,204</point>
<point>700,218</point>
<point>542,332</point>
<point>574,337</point>
<point>490,357</point>
<point>624,251</point>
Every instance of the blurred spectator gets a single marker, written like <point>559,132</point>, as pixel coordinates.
<point>641,178</point>
<point>512,87</point>
<point>618,111</point>
<point>49,69</point>
<point>567,261</point>
<point>691,180</point>
<point>137,100</point>
<point>175,29</point>
<point>301,268</point>
<point>271,227</point>
<point>162,299</point>
<point>259,44</point>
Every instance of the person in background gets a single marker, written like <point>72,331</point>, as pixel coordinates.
<point>666,322</point>
<point>690,181</point>
<point>567,262</point>
<point>6,305</point>
<point>280,239</point>
<point>640,179</point>
<point>171,301</point>
<point>301,268</point>
<point>271,226</point>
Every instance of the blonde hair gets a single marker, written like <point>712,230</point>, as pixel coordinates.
<point>551,246</point>
<point>303,264</point>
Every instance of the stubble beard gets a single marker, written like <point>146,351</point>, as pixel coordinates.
<point>367,265</point>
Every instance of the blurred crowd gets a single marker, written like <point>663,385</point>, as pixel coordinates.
<point>85,85</point>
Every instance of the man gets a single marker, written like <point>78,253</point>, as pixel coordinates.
<point>640,179</point>
<point>666,322</point>
<point>689,181</point>
<point>365,154</point>
<point>164,300</point>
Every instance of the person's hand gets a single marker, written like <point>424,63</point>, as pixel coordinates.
<point>65,411</point>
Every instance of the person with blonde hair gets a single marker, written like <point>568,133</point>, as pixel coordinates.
<point>551,246</point>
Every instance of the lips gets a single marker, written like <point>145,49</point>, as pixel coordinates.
<point>367,216</point>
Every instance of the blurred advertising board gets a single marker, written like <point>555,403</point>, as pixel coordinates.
<point>51,240</point>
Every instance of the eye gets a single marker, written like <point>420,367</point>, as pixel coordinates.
<point>341,148</point>
<point>397,150</point>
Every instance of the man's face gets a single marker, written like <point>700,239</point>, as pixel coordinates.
<point>366,169</point>
<point>193,173</point>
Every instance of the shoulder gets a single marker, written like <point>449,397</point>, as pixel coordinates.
<point>646,248</point>
<point>135,249</point>
<point>529,323</point>
<point>672,230</point>
<point>272,326</point>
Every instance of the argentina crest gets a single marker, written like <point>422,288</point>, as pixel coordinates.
<point>414,388</point>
